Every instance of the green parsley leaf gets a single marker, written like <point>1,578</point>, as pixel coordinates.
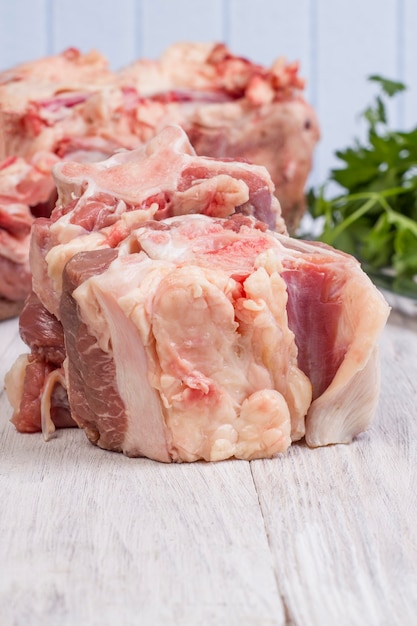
<point>374,217</point>
<point>389,87</point>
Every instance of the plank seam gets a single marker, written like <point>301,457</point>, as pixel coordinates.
<point>139,30</point>
<point>314,77</point>
<point>226,21</point>
<point>400,60</point>
<point>49,27</point>
<point>289,621</point>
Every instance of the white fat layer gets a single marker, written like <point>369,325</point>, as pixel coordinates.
<point>214,374</point>
<point>161,245</point>
<point>53,378</point>
<point>205,370</point>
<point>264,317</point>
<point>131,176</point>
<point>123,275</point>
<point>63,230</point>
<point>59,255</point>
<point>343,412</point>
<point>216,350</point>
<point>209,348</point>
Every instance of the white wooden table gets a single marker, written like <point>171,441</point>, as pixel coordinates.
<point>315,537</point>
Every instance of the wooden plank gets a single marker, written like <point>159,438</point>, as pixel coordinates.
<point>354,40</point>
<point>342,520</point>
<point>337,44</point>
<point>23,31</point>
<point>409,59</point>
<point>165,22</point>
<point>97,25</point>
<point>92,537</point>
<point>266,30</point>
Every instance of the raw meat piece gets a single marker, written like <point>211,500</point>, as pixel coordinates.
<point>199,316</point>
<point>38,100</point>
<point>231,107</point>
<point>196,336</point>
<point>20,181</point>
<point>36,383</point>
<point>71,106</point>
<point>218,371</point>
<point>99,203</point>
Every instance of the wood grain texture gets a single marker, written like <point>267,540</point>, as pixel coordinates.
<point>311,538</point>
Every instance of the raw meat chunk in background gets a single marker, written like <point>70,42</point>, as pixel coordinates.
<point>72,107</point>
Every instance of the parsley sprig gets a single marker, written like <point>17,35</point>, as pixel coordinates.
<point>375,216</point>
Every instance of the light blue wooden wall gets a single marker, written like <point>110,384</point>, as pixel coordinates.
<point>338,43</point>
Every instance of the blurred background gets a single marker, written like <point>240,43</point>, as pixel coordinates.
<point>338,43</point>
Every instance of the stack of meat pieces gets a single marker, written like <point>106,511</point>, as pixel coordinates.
<point>72,107</point>
<point>169,321</point>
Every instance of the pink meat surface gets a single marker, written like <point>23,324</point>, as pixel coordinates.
<point>196,345</point>
<point>39,99</point>
<point>218,369</point>
<point>20,181</point>
<point>232,107</point>
<point>70,106</point>
<point>99,203</point>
